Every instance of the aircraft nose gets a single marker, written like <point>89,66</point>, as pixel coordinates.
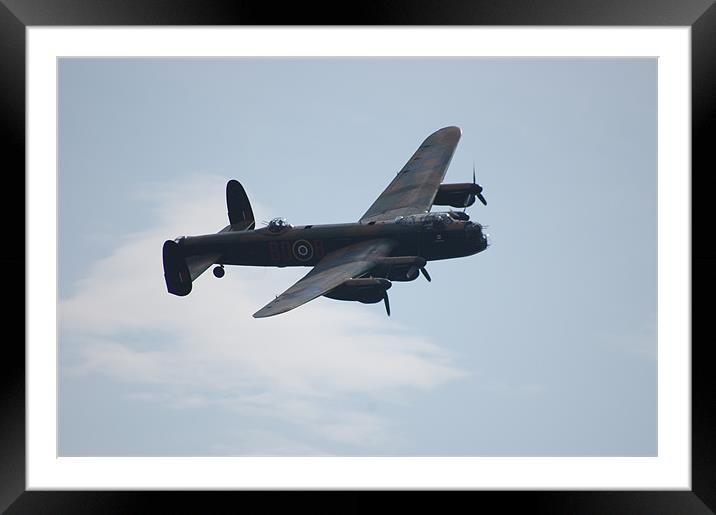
<point>475,230</point>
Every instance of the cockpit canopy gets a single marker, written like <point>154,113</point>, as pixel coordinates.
<point>425,219</point>
<point>278,225</point>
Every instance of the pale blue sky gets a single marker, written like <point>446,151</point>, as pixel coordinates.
<point>545,344</point>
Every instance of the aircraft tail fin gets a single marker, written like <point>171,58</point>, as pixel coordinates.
<point>181,270</point>
<point>241,216</point>
<point>176,270</point>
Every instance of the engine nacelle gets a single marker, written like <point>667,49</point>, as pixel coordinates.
<point>457,195</point>
<point>401,268</point>
<point>368,290</point>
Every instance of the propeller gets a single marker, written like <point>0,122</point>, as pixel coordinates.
<point>476,187</point>
<point>426,274</point>
<point>387,302</point>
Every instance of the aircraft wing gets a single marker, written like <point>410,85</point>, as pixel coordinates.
<point>415,186</point>
<point>335,268</point>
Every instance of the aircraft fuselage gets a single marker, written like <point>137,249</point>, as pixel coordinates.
<point>306,245</point>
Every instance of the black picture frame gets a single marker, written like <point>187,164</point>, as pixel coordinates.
<point>16,15</point>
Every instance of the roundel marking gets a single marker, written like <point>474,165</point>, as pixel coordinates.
<point>302,250</point>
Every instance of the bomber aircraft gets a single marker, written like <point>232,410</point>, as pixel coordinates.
<point>356,261</point>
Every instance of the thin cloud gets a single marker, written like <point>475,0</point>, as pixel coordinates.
<point>206,349</point>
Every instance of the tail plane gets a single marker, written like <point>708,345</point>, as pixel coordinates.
<point>180,268</point>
